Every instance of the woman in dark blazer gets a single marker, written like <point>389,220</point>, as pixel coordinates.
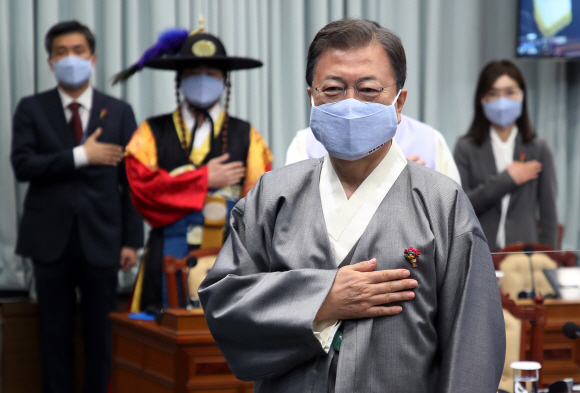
<point>506,170</point>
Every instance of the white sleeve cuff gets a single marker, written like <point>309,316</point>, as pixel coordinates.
<point>80,157</point>
<point>324,332</point>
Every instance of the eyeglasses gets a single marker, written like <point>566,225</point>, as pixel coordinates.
<point>511,92</point>
<point>333,91</point>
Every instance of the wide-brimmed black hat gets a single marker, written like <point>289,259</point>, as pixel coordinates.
<point>177,49</point>
<point>202,49</point>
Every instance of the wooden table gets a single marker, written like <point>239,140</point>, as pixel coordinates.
<point>178,356</point>
<point>561,355</point>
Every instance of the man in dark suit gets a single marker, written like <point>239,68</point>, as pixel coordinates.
<point>78,224</point>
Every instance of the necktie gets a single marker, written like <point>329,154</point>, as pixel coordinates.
<point>75,124</point>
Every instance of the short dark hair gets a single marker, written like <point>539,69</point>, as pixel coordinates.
<point>479,129</point>
<point>67,27</point>
<point>347,34</point>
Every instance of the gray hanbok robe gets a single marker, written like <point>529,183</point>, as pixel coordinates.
<point>276,268</point>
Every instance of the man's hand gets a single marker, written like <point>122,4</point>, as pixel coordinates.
<point>416,158</point>
<point>360,292</point>
<point>221,175</point>
<point>523,172</point>
<point>102,153</point>
<point>128,258</point>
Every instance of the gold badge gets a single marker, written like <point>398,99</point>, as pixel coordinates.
<point>203,48</point>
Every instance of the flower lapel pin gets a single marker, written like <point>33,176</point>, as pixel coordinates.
<point>104,113</point>
<point>522,157</point>
<point>412,255</point>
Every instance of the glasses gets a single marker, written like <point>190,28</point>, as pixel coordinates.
<point>511,92</point>
<point>333,91</point>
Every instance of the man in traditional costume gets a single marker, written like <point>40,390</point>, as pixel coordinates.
<point>360,271</point>
<point>187,169</point>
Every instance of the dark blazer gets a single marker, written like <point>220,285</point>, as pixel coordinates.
<point>98,196</point>
<point>485,188</point>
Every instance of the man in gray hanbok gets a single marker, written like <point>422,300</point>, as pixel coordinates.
<point>359,271</point>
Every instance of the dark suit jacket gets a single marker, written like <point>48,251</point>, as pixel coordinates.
<point>485,188</point>
<point>98,196</point>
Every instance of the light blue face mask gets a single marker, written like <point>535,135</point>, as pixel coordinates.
<point>503,111</point>
<point>351,129</point>
<point>73,71</point>
<point>202,91</point>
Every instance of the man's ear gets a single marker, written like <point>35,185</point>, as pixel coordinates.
<point>400,103</point>
<point>94,56</point>
<point>309,92</point>
<point>50,64</point>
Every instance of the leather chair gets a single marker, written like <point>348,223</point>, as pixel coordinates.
<point>517,276</point>
<point>204,259</point>
<point>516,268</point>
<point>519,321</point>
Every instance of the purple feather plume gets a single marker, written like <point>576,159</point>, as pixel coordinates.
<point>169,42</point>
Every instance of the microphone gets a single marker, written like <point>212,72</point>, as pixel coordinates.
<point>571,330</point>
<point>191,263</point>
<point>559,387</point>
<point>529,251</point>
<point>157,312</point>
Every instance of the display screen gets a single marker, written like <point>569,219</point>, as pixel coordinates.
<point>549,28</point>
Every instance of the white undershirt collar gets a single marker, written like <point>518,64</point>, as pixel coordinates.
<point>202,130</point>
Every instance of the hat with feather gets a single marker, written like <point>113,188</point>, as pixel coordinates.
<point>177,49</point>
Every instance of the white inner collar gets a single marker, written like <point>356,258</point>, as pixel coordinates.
<point>203,129</point>
<point>85,99</point>
<point>347,219</point>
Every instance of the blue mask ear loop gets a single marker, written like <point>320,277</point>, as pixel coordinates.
<point>397,97</point>
<point>395,100</point>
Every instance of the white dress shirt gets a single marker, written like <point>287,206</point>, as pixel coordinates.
<point>347,219</point>
<point>444,162</point>
<point>86,103</point>
<point>503,153</point>
<point>203,130</point>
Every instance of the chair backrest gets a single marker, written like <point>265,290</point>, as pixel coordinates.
<point>171,266</point>
<point>562,258</point>
<point>520,320</point>
<point>518,277</point>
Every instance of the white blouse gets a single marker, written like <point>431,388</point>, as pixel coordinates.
<point>503,153</point>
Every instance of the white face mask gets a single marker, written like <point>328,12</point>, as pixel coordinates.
<point>351,129</point>
<point>73,71</point>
